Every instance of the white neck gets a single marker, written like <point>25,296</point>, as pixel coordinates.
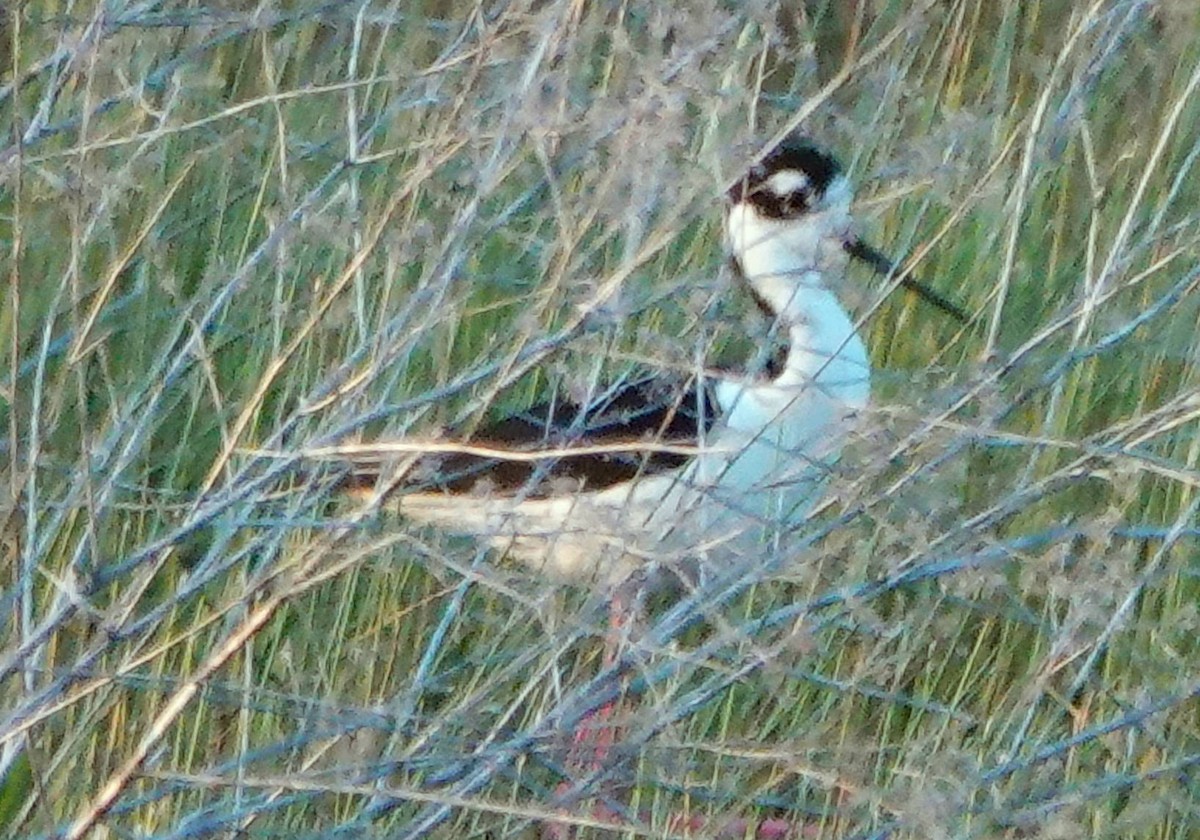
<point>788,264</point>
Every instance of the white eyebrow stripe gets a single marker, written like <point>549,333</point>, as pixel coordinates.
<point>787,181</point>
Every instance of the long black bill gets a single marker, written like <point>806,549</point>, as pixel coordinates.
<point>879,261</point>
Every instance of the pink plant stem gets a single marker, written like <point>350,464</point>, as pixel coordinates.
<point>598,733</point>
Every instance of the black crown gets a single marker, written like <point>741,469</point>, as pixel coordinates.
<point>795,152</point>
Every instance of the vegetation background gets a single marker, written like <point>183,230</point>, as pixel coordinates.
<point>236,233</point>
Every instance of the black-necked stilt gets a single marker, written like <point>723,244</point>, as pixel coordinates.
<point>673,468</point>
<point>668,467</point>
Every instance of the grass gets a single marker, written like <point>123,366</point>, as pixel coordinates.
<point>236,231</point>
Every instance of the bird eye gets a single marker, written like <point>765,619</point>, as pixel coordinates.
<point>794,203</point>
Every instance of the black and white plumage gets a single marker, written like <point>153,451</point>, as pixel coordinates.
<point>663,469</point>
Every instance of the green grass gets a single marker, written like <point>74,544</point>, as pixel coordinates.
<point>989,632</point>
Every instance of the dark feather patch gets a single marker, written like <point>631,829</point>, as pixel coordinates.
<point>637,413</point>
<point>781,349</point>
<point>794,152</point>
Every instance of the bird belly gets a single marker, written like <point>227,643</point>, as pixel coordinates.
<point>586,537</point>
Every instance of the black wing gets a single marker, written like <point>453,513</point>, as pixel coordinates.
<point>647,411</point>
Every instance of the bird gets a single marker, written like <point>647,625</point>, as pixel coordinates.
<point>665,468</point>
<point>663,471</point>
